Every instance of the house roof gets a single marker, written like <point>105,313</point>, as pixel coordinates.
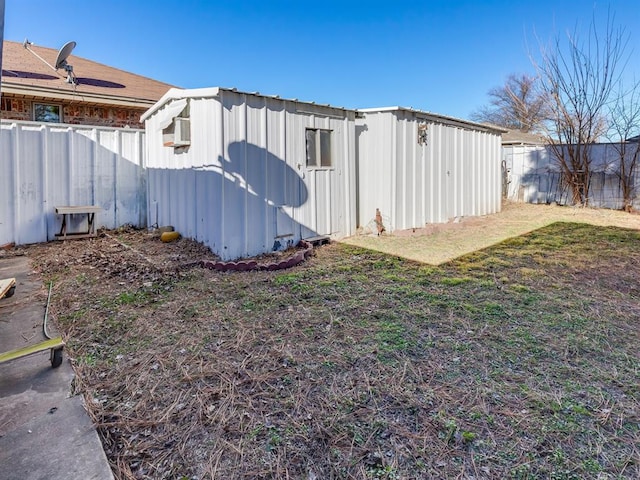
<point>516,137</point>
<point>178,93</point>
<point>436,117</point>
<point>23,74</point>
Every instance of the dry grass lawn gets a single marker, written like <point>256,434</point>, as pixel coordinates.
<point>517,359</point>
<point>436,244</point>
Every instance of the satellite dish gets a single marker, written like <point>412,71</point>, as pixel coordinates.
<point>61,59</point>
<point>65,51</point>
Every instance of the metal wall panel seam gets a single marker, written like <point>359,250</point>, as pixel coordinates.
<point>488,176</point>
<point>497,195</point>
<point>453,168</point>
<point>244,138</point>
<point>313,193</point>
<point>223,152</point>
<point>432,172</point>
<point>455,173</point>
<point>495,177</point>
<point>422,180</point>
<point>346,177</point>
<point>462,165</point>
<point>93,168</point>
<point>416,173</point>
<point>45,180</point>
<point>394,163</point>
<point>282,123</point>
<point>473,167</point>
<point>432,167</point>
<point>16,185</point>
<point>328,202</point>
<point>484,177</point>
<point>116,157</point>
<point>402,193</point>
<point>6,183</point>
<point>351,184</point>
<point>409,200</point>
<point>70,160</point>
<point>264,140</point>
<point>142,218</point>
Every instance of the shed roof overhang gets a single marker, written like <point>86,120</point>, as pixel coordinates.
<point>438,118</point>
<point>179,93</point>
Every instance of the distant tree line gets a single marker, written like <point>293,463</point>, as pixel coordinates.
<point>576,99</point>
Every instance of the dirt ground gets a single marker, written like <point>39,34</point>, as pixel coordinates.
<point>507,363</point>
<point>439,243</point>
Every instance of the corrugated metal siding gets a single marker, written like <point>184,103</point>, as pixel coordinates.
<point>47,165</point>
<point>533,175</point>
<point>455,174</point>
<point>243,187</point>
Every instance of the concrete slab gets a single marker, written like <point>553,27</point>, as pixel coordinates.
<point>44,431</point>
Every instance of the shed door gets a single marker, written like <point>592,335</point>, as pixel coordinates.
<point>322,181</point>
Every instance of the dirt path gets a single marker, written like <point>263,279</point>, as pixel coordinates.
<point>436,244</point>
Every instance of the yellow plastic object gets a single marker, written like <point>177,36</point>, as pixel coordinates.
<point>54,343</point>
<point>169,236</point>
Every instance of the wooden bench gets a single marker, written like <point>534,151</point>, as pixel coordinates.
<point>88,210</point>
<point>7,287</point>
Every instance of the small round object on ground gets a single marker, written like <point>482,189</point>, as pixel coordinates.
<point>169,236</point>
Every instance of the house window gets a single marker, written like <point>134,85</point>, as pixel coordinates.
<point>318,148</point>
<point>43,112</point>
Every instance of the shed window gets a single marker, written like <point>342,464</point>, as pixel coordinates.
<point>43,112</point>
<point>318,148</point>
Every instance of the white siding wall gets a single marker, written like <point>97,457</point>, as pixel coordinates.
<point>242,187</point>
<point>45,165</point>
<point>455,174</point>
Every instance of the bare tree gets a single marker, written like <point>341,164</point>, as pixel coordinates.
<point>579,79</point>
<point>624,134</point>
<point>518,104</point>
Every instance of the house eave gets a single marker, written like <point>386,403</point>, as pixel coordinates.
<point>54,94</point>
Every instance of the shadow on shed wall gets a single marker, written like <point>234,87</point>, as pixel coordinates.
<point>240,206</point>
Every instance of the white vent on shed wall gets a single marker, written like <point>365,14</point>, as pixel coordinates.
<point>182,133</point>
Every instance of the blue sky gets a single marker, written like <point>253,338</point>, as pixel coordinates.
<point>439,56</point>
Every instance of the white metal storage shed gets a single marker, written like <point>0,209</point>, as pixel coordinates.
<point>419,168</point>
<point>246,173</point>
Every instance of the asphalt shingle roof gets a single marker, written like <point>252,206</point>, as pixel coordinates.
<point>22,69</point>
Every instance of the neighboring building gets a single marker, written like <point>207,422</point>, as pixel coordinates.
<point>418,168</point>
<point>516,137</point>
<point>521,152</point>
<point>102,95</point>
<point>246,173</point>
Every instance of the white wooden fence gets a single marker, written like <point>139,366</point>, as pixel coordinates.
<point>531,174</point>
<point>47,165</point>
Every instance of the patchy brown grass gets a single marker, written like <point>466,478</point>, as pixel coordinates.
<point>517,361</point>
<point>439,243</point>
